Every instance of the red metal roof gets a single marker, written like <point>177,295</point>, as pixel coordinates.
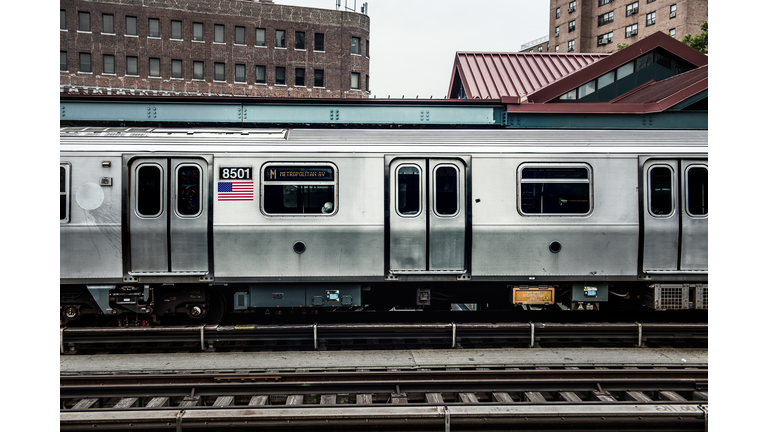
<point>659,91</point>
<point>487,75</point>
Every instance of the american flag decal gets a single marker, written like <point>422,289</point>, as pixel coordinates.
<point>235,191</point>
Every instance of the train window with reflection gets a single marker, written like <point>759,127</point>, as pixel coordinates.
<point>149,190</point>
<point>408,190</point>
<point>446,190</point>
<point>555,189</point>
<point>188,188</point>
<point>661,200</point>
<point>697,190</point>
<point>64,193</point>
<point>299,189</point>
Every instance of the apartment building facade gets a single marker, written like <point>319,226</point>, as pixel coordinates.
<point>229,47</point>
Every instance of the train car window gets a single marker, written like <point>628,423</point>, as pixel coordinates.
<point>64,193</point>
<point>660,188</point>
<point>697,185</point>
<point>561,189</point>
<point>149,190</point>
<point>188,188</point>
<point>408,190</point>
<point>446,190</point>
<point>299,190</point>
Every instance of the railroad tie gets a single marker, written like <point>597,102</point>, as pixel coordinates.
<point>468,398</point>
<point>258,400</point>
<point>637,396</point>
<point>569,396</point>
<point>434,398</point>
<point>502,397</point>
<point>127,402</point>
<point>223,401</point>
<point>671,396</point>
<point>364,399</point>
<point>535,397</point>
<point>294,400</point>
<point>328,399</point>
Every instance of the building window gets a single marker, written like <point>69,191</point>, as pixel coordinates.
<point>572,7</point>
<point>64,192</point>
<point>85,62</point>
<point>198,70</point>
<point>176,69</point>
<point>603,2</point>
<point>633,8</point>
<point>130,26</point>
<point>586,89</point>
<point>261,37</point>
<point>299,75</point>
<point>571,26</point>
<point>605,80</point>
<point>108,23</point>
<point>355,81</point>
<point>672,32</point>
<point>651,1</point>
<point>367,83</point>
<point>240,35</point>
<point>605,39</point>
<point>650,19</point>
<point>557,13</point>
<point>319,42</point>
<point>697,190</point>
<point>176,30</point>
<point>240,73</point>
<point>154,27</point>
<point>280,38</point>
<point>84,23</point>
<point>605,18</point>
<point>132,66</point>
<point>279,75</point>
<point>540,48</point>
<point>300,40</point>
<point>299,190</point>
<point>218,33</point>
<point>109,64</point>
<point>154,67</point>
<point>319,78</point>
<point>557,31</point>
<point>355,45</point>
<point>63,61</point>
<point>218,72</point>
<point>557,48</point>
<point>631,30</point>
<point>562,189</point>
<point>673,11</point>
<point>62,20</point>
<point>367,48</point>
<point>625,70</point>
<point>571,45</point>
<point>261,75</point>
<point>197,31</point>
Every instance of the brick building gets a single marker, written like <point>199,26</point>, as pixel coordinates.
<point>237,47</point>
<point>598,26</point>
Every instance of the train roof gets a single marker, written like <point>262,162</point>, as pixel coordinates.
<point>216,140</point>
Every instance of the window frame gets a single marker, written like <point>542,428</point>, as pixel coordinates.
<point>397,190</point>
<point>303,38</point>
<point>159,67</point>
<point>219,77</point>
<point>280,42</point>
<point>296,77</point>
<point>136,59</point>
<point>150,21</point>
<point>161,190</point>
<point>195,26</point>
<point>62,19</point>
<point>240,67</point>
<point>66,193</point>
<point>352,45</point>
<point>589,180</point>
<point>200,186</point>
<point>181,69</point>
<point>278,68</point>
<point>135,26</point>
<point>181,30</point>
<point>80,15</point>
<point>66,61</point>
<point>571,26</point>
<point>673,11</point>
<point>80,63</point>
<point>263,32</point>
<point>256,75</point>
<point>608,38</point>
<point>633,8</point>
<point>352,81</point>
<point>104,23</point>
<point>202,77</point>
<point>458,190</point>
<point>687,184</point>
<point>314,78</point>
<point>238,40</point>
<point>673,192</point>
<point>319,164</point>
<point>104,64</point>
<point>650,16</point>
<point>219,28</point>
<point>572,45</point>
<point>322,42</point>
<point>604,19</point>
<point>630,30</point>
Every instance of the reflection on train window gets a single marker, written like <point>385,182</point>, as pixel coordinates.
<point>446,190</point>
<point>188,187</point>
<point>697,183</point>
<point>408,190</point>
<point>299,190</point>
<point>64,193</point>
<point>561,190</point>
<point>149,186</point>
<point>661,200</point>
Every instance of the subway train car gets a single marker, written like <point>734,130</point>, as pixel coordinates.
<point>186,225</point>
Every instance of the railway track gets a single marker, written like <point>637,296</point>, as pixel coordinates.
<point>298,337</point>
<point>567,398</point>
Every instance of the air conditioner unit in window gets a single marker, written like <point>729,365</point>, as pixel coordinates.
<point>571,10</point>
<point>634,32</point>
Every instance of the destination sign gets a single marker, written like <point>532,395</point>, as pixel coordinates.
<point>303,173</point>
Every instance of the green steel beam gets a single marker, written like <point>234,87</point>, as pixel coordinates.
<point>664,120</point>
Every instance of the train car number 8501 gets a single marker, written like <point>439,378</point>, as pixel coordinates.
<point>235,173</point>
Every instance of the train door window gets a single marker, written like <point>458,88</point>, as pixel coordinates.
<point>555,189</point>
<point>188,187</point>
<point>149,190</point>
<point>300,189</point>
<point>408,190</point>
<point>661,200</point>
<point>446,190</point>
<point>64,192</point>
<point>697,190</point>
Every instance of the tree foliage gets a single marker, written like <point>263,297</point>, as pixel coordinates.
<point>698,42</point>
<point>621,46</point>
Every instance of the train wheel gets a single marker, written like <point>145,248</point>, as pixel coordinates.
<point>216,308</point>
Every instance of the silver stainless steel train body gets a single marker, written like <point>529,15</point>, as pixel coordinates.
<point>159,221</point>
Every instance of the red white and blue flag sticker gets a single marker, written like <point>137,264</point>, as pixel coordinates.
<point>235,191</point>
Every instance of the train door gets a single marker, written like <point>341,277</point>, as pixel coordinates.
<point>427,216</point>
<point>168,217</point>
<point>675,216</point>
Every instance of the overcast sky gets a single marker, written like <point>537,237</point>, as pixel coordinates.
<point>414,42</point>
